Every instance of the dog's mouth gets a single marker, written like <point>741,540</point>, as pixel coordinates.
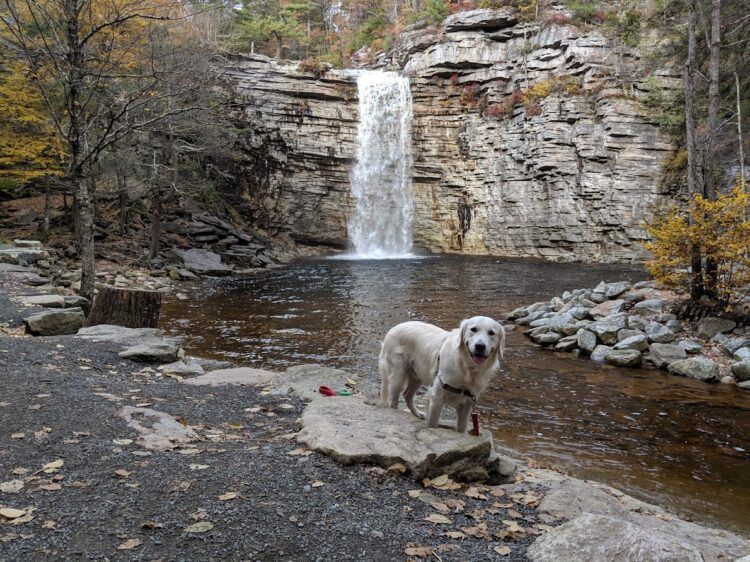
<point>477,358</point>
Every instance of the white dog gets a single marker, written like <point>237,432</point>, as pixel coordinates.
<point>457,365</point>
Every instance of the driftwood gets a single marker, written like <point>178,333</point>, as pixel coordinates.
<point>132,308</point>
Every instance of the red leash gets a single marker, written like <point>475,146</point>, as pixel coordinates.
<point>475,424</point>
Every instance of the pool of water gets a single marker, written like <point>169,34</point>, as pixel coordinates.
<point>668,440</point>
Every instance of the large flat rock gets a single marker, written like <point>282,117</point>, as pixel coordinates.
<point>239,376</point>
<point>352,431</point>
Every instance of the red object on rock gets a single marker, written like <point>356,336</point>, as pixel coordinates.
<point>475,424</point>
<point>327,391</point>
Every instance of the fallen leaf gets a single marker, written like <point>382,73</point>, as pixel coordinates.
<point>122,473</point>
<point>129,544</point>
<point>11,513</point>
<point>505,505</point>
<point>513,513</point>
<point>198,466</point>
<point>317,484</point>
<point>474,493</point>
<point>440,506</point>
<point>437,518</point>
<point>300,452</point>
<point>253,410</point>
<point>228,496</point>
<point>53,466</point>
<point>478,531</point>
<point>454,535</point>
<point>513,527</point>
<point>436,482</point>
<point>397,468</point>
<point>122,442</point>
<point>151,524</point>
<point>49,524</point>
<point>502,550</point>
<point>455,504</point>
<point>51,487</point>
<point>419,551</point>
<point>19,471</point>
<point>415,493</point>
<point>17,435</point>
<point>11,486</point>
<point>200,527</point>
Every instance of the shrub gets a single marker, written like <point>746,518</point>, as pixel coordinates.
<point>584,11</point>
<point>718,231</point>
<point>436,10</point>
<point>532,108</point>
<point>558,18</point>
<point>469,95</point>
<point>312,66</point>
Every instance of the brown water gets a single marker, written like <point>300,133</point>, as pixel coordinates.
<point>668,440</point>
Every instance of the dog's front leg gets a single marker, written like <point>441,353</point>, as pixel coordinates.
<point>462,416</point>
<point>435,406</point>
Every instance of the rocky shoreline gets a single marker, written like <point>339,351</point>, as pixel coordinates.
<point>475,501</point>
<point>630,325</point>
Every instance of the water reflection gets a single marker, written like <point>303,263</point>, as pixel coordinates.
<point>674,441</point>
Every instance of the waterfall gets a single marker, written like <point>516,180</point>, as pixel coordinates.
<point>381,180</point>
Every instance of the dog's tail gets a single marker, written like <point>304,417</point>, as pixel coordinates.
<point>384,390</point>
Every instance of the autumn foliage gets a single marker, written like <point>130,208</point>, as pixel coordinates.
<point>719,231</point>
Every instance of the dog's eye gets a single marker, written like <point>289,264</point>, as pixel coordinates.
<point>473,330</point>
<point>491,333</point>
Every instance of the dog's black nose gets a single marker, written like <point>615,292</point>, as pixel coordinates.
<point>479,348</point>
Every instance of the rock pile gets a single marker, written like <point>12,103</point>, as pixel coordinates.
<point>628,325</point>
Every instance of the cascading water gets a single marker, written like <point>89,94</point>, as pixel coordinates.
<point>381,179</point>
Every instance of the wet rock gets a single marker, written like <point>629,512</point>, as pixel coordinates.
<point>600,353</point>
<point>120,334</point>
<point>741,370</point>
<point>586,340</point>
<point>744,385</point>
<point>614,290</point>
<point>711,326</point>
<point>607,308</point>
<point>637,342</point>
<point>605,331</point>
<point>202,261</point>
<point>158,431</point>
<point>48,301</point>
<point>354,432</point>
<point>625,357</point>
<point>664,354</point>
<point>567,343</point>
<point>599,537</point>
<point>690,346</point>
<point>649,306</point>
<point>154,352</point>
<point>728,379</point>
<point>55,323</point>
<point>658,333</point>
<point>637,323</point>
<point>699,368</point>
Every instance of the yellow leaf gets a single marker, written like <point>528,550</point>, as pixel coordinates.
<point>419,551</point>
<point>11,513</point>
<point>200,527</point>
<point>228,496</point>
<point>502,550</point>
<point>129,544</point>
<point>53,466</point>
<point>438,519</point>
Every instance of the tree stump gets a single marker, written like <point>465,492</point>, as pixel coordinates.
<point>132,308</point>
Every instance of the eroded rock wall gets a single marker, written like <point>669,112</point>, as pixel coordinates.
<point>572,179</point>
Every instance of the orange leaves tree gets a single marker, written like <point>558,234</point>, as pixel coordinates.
<point>94,65</point>
<point>716,231</point>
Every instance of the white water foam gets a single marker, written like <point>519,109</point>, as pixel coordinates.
<point>380,227</point>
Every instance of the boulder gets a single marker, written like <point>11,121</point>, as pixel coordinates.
<point>483,19</point>
<point>187,367</point>
<point>625,357</point>
<point>579,312</point>
<point>733,344</point>
<point>238,376</point>
<point>607,308</point>
<point>547,339</point>
<point>700,368</point>
<point>605,331</point>
<point>658,333</point>
<point>352,431</point>
<point>637,323</point>
<point>649,306</point>
<point>742,354</point>
<point>628,333</point>
<point>157,430</point>
<point>638,343</point>
<point>72,301</point>
<point>203,261</point>
<point>663,354</point>
<point>600,353</point>
<point>586,340</point>
<point>593,537</point>
<point>710,326</point>
<point>690,346</point>
<point>614,290</point>
<point>120,334</point>
<point>517,313</point>
<point>741,370</point>
<point>153,352</point>
<point>568,343</point>
<point>27,243</point>
<point>559,320</point>
<point>55,323</point>
<point>48,301</point>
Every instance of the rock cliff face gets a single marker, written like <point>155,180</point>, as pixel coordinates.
<point>569,171</point>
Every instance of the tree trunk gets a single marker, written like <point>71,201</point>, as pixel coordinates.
<point>125,307</point>
<point>123,196</point>
<point>739,129</point>
<point>711,166</point>
<point>47,211</point>
<point>696,266</point>
<point>88,267</point>
<point>155,223</point>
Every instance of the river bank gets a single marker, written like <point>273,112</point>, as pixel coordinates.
<point>221,491</point>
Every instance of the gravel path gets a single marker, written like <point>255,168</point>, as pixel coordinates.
<point>58,400</point>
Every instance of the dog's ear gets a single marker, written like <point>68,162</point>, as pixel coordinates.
<point>501,344</point>
<point>462,333</point>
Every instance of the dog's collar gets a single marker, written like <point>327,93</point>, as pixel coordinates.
<point>455,390</point>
